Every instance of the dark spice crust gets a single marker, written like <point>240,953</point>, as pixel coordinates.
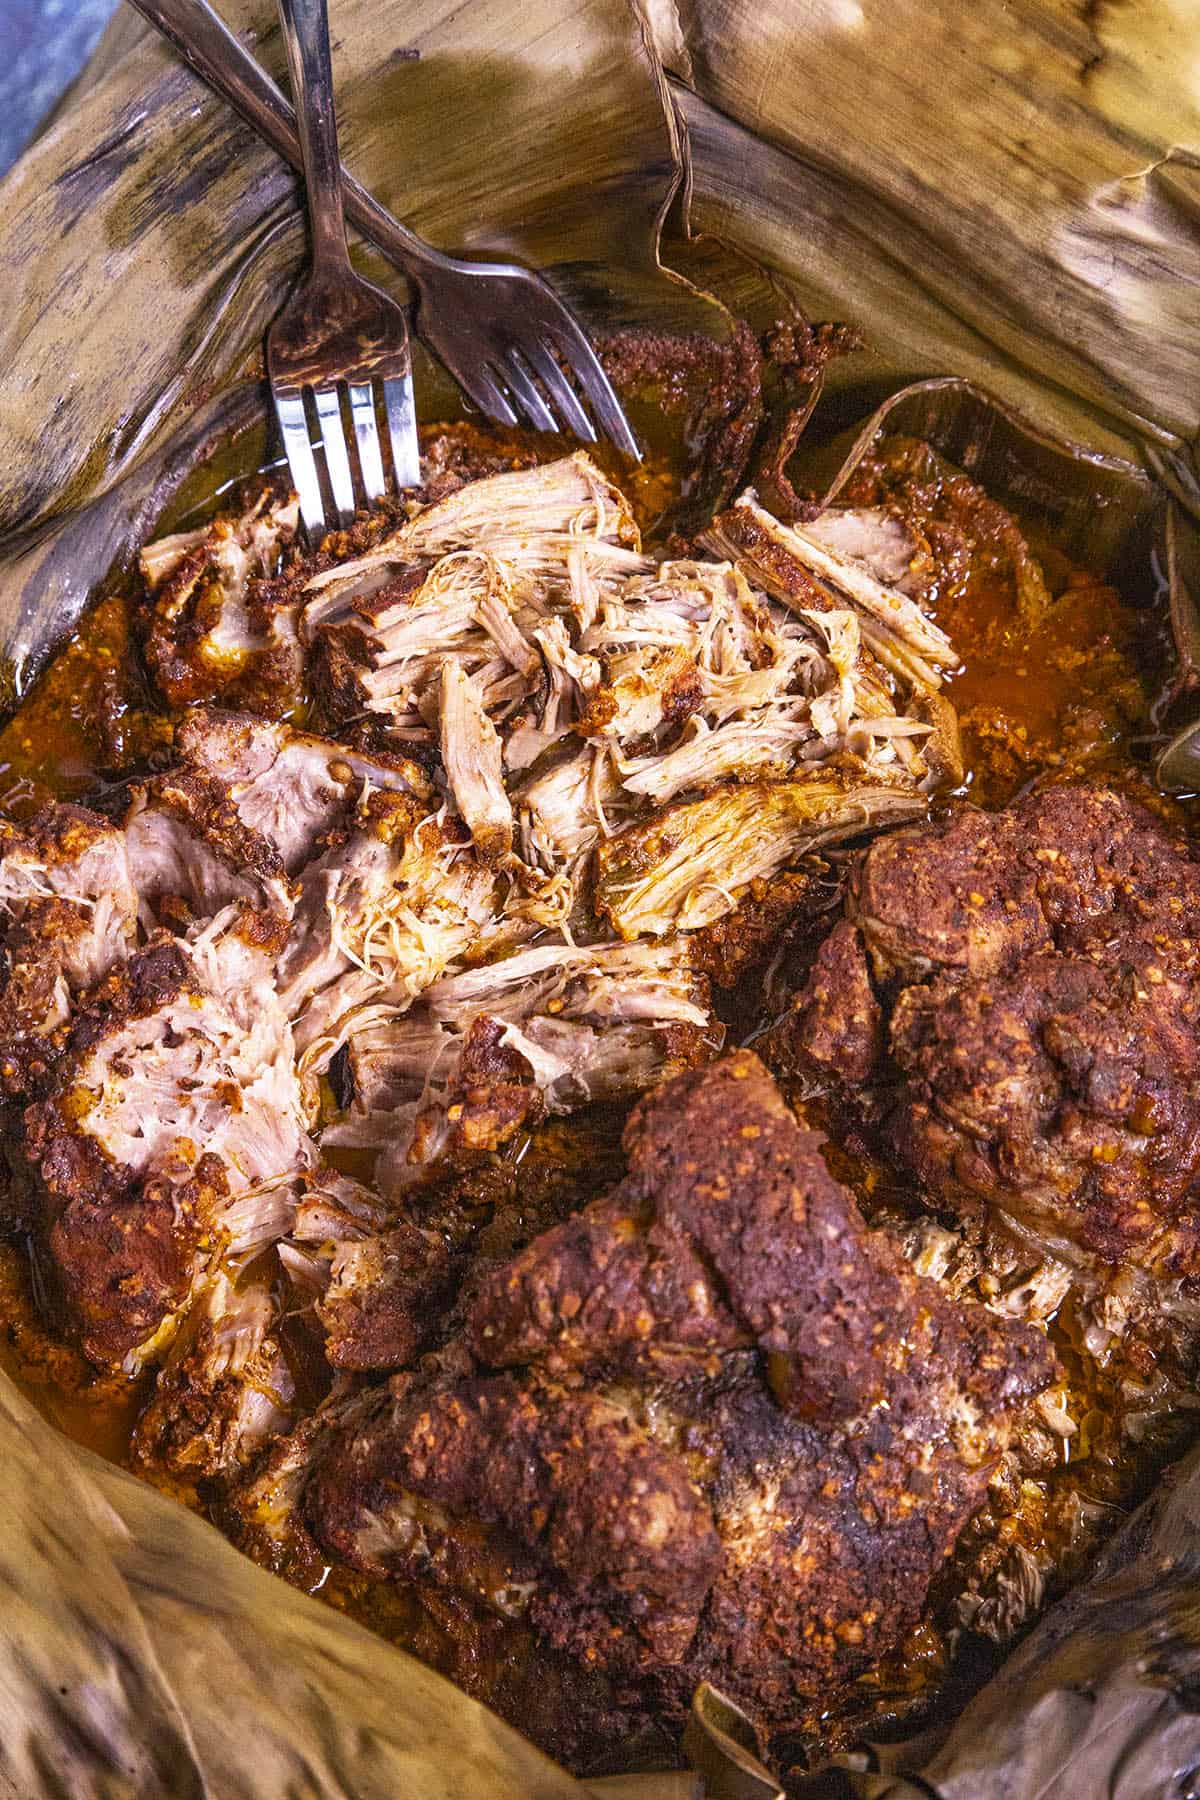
<point>52,948</point>
<point>613,1286</point>
<point>61,834</point>
<point>615,1517</point>
<point>121,1267</point>
<point>658,1497</point>
<point>204,803</point>
<point>119,1253</point>
<point>738,944</point>
<point>182,612</point>
<point>1042,972</point>
<point>830,1541</point>
<point>834,1028</point>
<point>336,664</point>
<point>262,927</point>
<point>36,946</point>
<point>761,1244</point>
<point>797,355</point>
<point>971,905</point>
<point>760,556</point>
<point>494,1094</point>
<point>715,387</point>
<point>386,1296</point>
<point>150,979</point>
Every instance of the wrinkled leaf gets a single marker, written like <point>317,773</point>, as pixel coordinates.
<point>141,1655</point>
<point>1005,192</point>
<point>1104,1696</point>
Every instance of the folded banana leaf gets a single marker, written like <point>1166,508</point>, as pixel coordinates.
<point>1008,189</point>
<point>141,1655</point>
<point>1002,200</point>
<point>1102,1699</point>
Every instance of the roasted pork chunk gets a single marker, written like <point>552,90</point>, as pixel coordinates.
<point>170,1136</point>
<point>544,1030</point>
<point>711,1426</point>
<point>611,758</point>
<point>226,1388</point>
<point>70,909</point>
<point>210,623</point>
<point>289,787</point>
<point>708,1425</point>
<point>1034,976</point>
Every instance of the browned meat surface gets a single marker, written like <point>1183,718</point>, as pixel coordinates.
<point>226,1388</point>
<point>189,848</point>
<point>723,1180</point>
<point>677,1417</point>
<point>290,788</point>
<point>390,1279</point>
<point>970,904</point>
<point>262,1511</point>
<point>71,907</point>
<point>543,1030</point>
<point>208,621</point>
<point>834,1031</point>
<point>384,1294</point>
<point>615,1285</point>
<point>697,1509</point>
<point>742,943</point>
<point>170,1132</point>
<point>570,1480</point>
<point>1041,981</point>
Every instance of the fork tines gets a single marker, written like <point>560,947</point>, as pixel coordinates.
<point>400,412</point>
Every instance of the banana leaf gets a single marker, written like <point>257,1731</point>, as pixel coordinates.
<point>141,1655</point>
<point>1008,189</point>
<point>1002,200</point>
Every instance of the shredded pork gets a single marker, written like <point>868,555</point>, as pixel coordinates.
<point>550,763</point>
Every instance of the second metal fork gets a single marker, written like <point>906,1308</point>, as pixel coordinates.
<point>515,349</point>
<point>336,329</point>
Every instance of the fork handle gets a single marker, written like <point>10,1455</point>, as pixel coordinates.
<point>306,34</point>
<point>208,46</point>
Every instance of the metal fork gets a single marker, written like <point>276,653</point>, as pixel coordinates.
<point>515,349</point>
<point>336,328</point>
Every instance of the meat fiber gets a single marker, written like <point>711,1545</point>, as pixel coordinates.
<point>571,687</point>
<point>474,764</point>
<point>809,572</point>
<point>686,866</point>
<point>226,1389</point>
<point>612,752</point>
<point>547,1029</point>
<point>292,789</point>
<point>70,912</point>
<point>169,1137</point>
<point>209,621</point>
<point>378,918</point>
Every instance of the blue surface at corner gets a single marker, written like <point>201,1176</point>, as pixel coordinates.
<point>43,46</point>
